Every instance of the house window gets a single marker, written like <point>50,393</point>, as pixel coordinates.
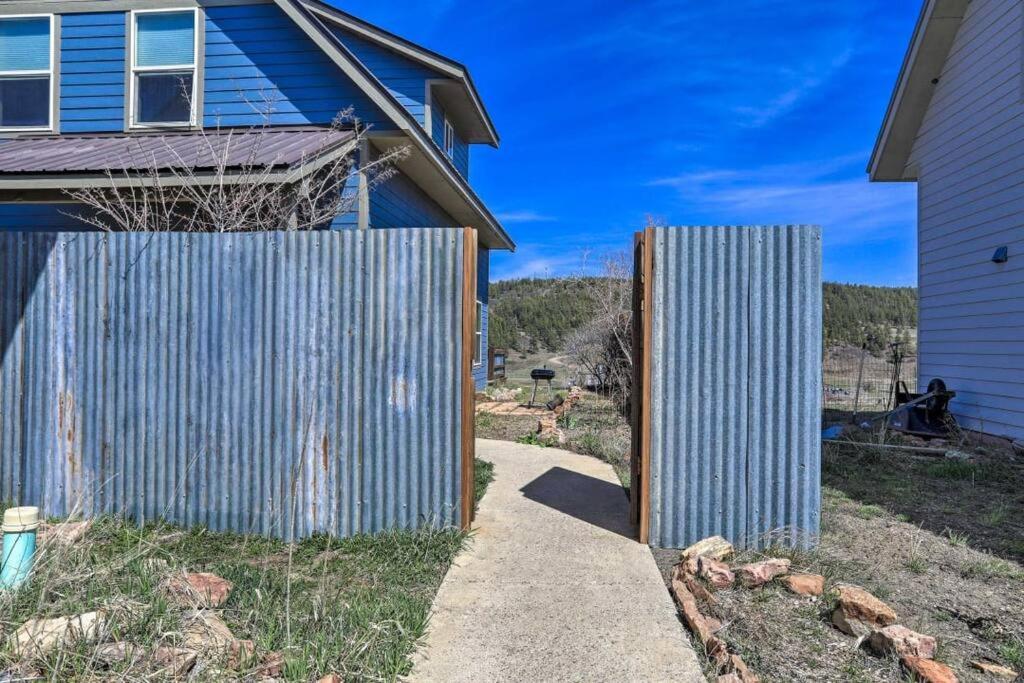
<point>478,352</point>
<point>449,138</point>
<point>26,72</point>
<point>164,67</point>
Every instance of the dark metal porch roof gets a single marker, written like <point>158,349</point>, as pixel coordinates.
<point>232,148</point>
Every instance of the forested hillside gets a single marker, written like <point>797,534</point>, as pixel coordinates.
<point>537,314</point>
<point>858,313</point>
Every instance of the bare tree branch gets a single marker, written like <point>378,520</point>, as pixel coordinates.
<point>216,191</point>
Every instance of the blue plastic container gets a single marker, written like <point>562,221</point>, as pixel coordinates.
<point>20,526</point>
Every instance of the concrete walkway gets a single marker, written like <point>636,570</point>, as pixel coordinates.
<point>554,588</point>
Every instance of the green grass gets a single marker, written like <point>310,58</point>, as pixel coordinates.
<point>992,568</point>
<point>869,511</point>
<point>484,477</point>
<point>956,539</point>
<point>532,439</point>
<point>917,565</point>
<point>997,516</point>
<point>952,469</point>
<point>354,606</point>
<point>1012,653</point>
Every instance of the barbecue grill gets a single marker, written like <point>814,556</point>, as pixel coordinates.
<point>541,375</point>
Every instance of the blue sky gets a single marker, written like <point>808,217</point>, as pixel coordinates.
<point>691,112</point>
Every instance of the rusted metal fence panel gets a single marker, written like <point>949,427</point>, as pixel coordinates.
<point>735,385</point>
<point>277,383</point>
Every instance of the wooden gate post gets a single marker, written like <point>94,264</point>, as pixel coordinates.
<point>469,289</point>
<point>643,317</point>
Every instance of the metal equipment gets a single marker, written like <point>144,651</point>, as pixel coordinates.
<point>542,375</point>
<point>926,415</point>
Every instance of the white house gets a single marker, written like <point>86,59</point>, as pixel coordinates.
<point>955,125</point>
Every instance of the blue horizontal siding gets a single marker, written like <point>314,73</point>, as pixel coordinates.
<point>460,155</point>
<point>41,218</point>
<point>400,203</point>
<point>92,66</point>
<point>405,79</point>
<point>260,65</point>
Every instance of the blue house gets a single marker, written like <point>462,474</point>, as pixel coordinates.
<point>83,82</point>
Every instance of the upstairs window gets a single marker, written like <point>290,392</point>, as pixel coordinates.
<point>449,138</point>
<point>26,72</point>
<point>164,67</point>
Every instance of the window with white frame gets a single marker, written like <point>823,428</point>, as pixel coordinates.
<point>478,352</point>
<point>449,138</point>
<point>26,72</point>
<point>164,56</point>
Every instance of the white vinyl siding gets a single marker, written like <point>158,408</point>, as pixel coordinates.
<point>969,156</point>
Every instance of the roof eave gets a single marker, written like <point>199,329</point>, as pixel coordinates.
<point>352,67</point>
<point>936,29</point>
<point>443,65</point>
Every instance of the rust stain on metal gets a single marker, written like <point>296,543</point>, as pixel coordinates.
<point>325,447</point>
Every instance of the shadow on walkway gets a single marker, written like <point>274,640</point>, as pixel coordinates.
<point>597,502</point>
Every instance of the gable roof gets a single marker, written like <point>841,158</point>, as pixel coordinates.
<point>481,129</point>
<point>933,37</point>
<point>493,235</point>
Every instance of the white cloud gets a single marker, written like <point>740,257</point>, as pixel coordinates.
<point>833,193</point>
<point>524,216</point>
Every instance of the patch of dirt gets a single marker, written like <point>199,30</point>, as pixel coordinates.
<point>594,427</point>
<point>979,501</point>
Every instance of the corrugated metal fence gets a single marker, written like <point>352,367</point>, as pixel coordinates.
<point>280,383</point>
<point>735,385</point>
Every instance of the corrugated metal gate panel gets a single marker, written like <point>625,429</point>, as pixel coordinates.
<point>784,492</point>
<point>735,383</point>
<point>280,383</point>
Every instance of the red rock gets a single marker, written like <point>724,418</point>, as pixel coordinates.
<point>740,670</point>
<point>805,584</point>
<point>241,654</point>
<point>205,631</point>
<point>174,661</point>
<point>65,532</point>
<point>272,666</point>
<point>903,642</point>
<point>714,547</point>
<point>928,670</point>
<point>696,622</point>
<point>717,573</point>
<point>995,670</point>
<point>858,612</point>
<point>698,590</point>
<point>760,573</point>
<point>210,587</point>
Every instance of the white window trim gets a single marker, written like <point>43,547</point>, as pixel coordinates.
<point>48,128</point>
<point>449,138</point>
<point>479,332</point>
<point>133,69</point>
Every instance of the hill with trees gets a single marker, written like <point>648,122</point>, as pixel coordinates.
<point>539,314</point>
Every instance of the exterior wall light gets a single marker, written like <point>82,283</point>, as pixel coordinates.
<point>1002,255</point>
